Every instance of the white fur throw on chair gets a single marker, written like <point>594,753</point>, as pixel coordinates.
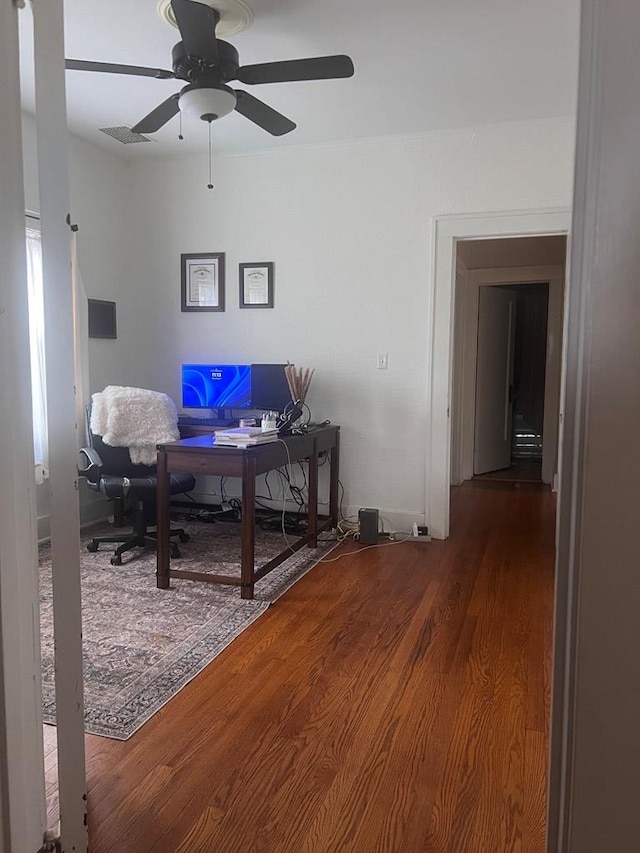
<point>135,418</point>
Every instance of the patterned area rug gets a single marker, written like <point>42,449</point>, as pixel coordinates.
<point>143,644</point>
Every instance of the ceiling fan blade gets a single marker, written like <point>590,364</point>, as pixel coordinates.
<point>111,68</point>
<point>264,116</point>
<point>161,115</point>
<point>197,25</point>
<point>317,68</point>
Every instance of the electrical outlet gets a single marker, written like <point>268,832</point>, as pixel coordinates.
<point>419,534</point>
<point>383,360</point>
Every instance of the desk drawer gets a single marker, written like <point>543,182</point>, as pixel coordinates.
<point>205,463</point>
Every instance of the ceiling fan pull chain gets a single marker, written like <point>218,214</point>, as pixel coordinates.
<point>209,185</point>
<point>180,136</point>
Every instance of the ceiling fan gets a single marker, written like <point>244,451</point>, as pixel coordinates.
<point>207,64</point>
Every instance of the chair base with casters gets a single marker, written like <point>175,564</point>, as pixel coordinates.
<point>141,537</point>
<point>135,484</point>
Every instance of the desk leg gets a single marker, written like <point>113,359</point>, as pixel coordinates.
<point>312,508</point>
<point>162,522</point>
<point>248,526</point>
<point>334,460</point>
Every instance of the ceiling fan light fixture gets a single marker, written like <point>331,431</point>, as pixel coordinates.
<point>207,103</point>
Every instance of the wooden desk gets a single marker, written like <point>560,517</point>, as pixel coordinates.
<point>199,455</point>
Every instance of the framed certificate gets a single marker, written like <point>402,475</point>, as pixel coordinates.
<point>202,278</point>
<point>256,285</point>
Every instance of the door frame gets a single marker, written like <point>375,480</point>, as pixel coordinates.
<point>63,427</point>
<point>446,231</point>
<point>462,428</point>
<point>22,785</point>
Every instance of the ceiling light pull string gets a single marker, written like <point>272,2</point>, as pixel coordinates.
<point>209,185</point>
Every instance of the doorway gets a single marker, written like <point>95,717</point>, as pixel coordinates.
<point>443,460</point>
<point>510,382</point>
<point>507,361</point>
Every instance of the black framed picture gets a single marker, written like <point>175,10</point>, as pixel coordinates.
<point>256,285</point>
<point>202,279</point>
<point>102,318</point>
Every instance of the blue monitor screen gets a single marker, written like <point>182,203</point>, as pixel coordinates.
<point>213,386</point>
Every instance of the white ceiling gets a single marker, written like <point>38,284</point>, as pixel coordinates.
<point>421,65</point>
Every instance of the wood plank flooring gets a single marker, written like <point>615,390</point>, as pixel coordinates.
<point>50,741</point>
<point>520,470</point>
<point>394,700</point>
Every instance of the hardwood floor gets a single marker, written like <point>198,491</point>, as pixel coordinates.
<point>394,700</point>
<point>520,470</point>
<point>50,741</point>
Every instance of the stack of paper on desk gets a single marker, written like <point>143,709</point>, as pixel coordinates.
<point>245,436</point>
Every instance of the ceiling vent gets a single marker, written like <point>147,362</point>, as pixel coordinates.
<point>124,134</point>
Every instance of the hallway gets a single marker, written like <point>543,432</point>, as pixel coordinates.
<point>393,700</point>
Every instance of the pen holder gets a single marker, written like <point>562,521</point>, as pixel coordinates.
<point>268,421</point>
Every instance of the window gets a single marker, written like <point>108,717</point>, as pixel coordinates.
<point>36,341</point>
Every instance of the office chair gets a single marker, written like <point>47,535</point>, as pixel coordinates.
<point>110,470</point>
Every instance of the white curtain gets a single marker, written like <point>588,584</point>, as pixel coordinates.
<point>36,340</point>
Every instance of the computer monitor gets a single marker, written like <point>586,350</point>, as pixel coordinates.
<point>216,386</point>
<point>269,387</point>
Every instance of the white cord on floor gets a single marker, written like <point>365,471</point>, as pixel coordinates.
<point>368,548</point>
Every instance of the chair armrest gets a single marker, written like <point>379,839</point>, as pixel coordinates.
<point>89,465</point>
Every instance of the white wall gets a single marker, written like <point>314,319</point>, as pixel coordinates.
<point>349,228</point>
